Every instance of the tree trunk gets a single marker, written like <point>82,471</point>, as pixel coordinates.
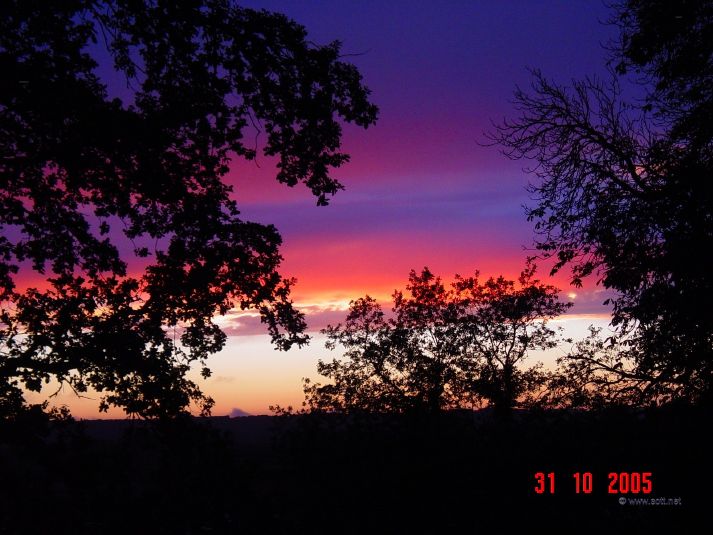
<point>504,403</point>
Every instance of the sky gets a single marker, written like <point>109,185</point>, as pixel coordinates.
<point>421,189</point>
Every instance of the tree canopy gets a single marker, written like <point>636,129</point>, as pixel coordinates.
<point>623,189</point>
<point>120,207</point>
<point>441,348</point>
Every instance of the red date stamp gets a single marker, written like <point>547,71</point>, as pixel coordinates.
<point>583,483</point>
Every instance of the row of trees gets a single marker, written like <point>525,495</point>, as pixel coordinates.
<point>441,348</point>
<point>466,346</point>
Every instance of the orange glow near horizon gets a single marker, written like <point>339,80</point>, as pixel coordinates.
<point>249,375</point>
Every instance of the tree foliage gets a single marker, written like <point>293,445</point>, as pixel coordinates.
<point>594,375</point>
<point>121,207</point>
<point>441,347</point>
<point>667,44</point>
<point>623,189</point>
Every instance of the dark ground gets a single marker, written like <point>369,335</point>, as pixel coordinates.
<point>460,473</point>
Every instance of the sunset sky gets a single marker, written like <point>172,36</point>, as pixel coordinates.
<point>420,190</point>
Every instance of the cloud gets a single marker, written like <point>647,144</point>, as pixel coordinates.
<point>238,413</point>
<point>318,316</point>
<point>222,379</point>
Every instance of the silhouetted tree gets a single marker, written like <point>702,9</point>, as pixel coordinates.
<point>624,190</point>
<point>442,348</point>
<point>505,322</point>
<point>595,374</point>
<point>407,362</point>
<point>668,45</point>
<point>88,182</point>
